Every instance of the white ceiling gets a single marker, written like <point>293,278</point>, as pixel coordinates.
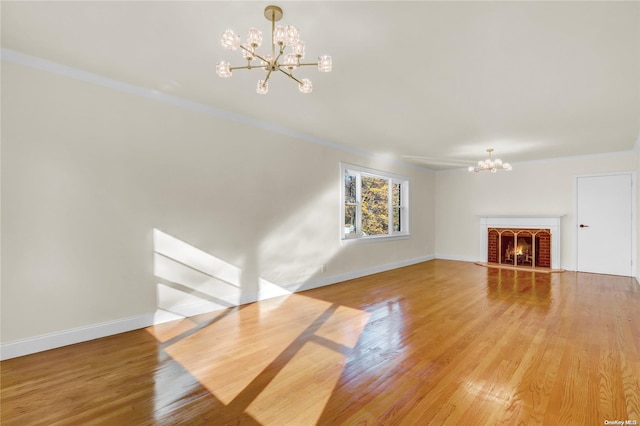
<point>434,83</point>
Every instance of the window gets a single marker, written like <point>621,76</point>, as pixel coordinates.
<point>374,204</point>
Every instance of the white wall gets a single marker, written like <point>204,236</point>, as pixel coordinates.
<point>89,172</point>
<point>535,188</point>
<point>637,151</point>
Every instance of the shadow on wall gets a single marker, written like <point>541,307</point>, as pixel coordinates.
<point>192,282</point>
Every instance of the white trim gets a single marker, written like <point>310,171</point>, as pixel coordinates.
<point>335,279</point>
<point>457,257</point>
<point>374,238</point>
<point>75,335</point>
<point>35,62</point>
<point>551,222</point>
<point>634,215</point>
<point>370,171</point>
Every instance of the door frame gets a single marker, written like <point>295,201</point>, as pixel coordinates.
<point>634,233</point>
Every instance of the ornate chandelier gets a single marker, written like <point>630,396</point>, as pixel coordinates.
<point>490,164</point>
<point>281,38</point>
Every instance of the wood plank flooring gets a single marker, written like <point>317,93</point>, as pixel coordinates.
<point>442,343</point>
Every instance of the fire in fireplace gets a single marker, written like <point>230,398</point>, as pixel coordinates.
<point>519,247</point>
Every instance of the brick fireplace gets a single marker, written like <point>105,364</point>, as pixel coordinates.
<point>532,241</point>
<point>519,247</point>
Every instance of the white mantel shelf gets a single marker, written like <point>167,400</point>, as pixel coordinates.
<point>551,222</point>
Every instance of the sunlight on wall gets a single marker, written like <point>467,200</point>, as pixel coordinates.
<point>195,282</point>
<point>194,258</point>
<point>287,254</point>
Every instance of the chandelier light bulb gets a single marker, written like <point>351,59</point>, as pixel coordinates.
<point>279,35</point>
<point>254,37</point>
<point>292,35</point>
<point>230,40</point>
<point>291,61</point>
<point>248,54</point>
<point>223,69</point>
<point>263,87</point>
<point>306,86</point>
<point>285,53</point>
<point>298,49</point>
<point>324,63</point>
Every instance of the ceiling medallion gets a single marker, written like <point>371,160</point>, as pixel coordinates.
<point>281,38</point>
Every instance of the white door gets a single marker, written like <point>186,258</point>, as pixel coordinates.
<point>604,224</point>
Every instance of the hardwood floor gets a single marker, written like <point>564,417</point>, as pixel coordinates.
<point>440,342</point>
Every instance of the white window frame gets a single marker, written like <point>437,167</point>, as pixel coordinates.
<point>359,171</point>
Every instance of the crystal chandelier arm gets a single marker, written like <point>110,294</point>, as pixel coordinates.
<point>251,66</point>
<point>289,75</point>
<point>277,58</point>
<point>248,50</point>
<point>268,75</point>
<point>248,67</point>
<point>315,64</point>
<point>262,59</point>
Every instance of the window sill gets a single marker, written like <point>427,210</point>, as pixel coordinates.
<point>378,238</point>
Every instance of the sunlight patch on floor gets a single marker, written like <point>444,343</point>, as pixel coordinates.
<point>344,326</point>
<point>290,398</point>
<point>226,361</point>
<point>169,330</point>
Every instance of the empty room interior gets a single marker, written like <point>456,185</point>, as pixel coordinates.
<point>332,213</point>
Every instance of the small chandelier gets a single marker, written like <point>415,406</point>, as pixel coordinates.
<point>281,38</point>
<point>490,164</point>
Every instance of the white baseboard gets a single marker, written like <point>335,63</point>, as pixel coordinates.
<point>95,331</point>
<point>334,279</point>
<point>75,335</point>
<point>456,257</point>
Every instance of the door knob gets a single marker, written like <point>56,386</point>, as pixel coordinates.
<point>583,226</point>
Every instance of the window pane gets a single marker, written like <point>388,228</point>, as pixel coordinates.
<point>397,225</point>
<point>349,220</point>
<point>349,188</point>
<point>375,206</point>
<point>396,188</point>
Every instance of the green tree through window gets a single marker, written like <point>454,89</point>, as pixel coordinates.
<point>375,204</point>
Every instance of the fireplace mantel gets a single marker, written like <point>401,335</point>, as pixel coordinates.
<point>551,222</point>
